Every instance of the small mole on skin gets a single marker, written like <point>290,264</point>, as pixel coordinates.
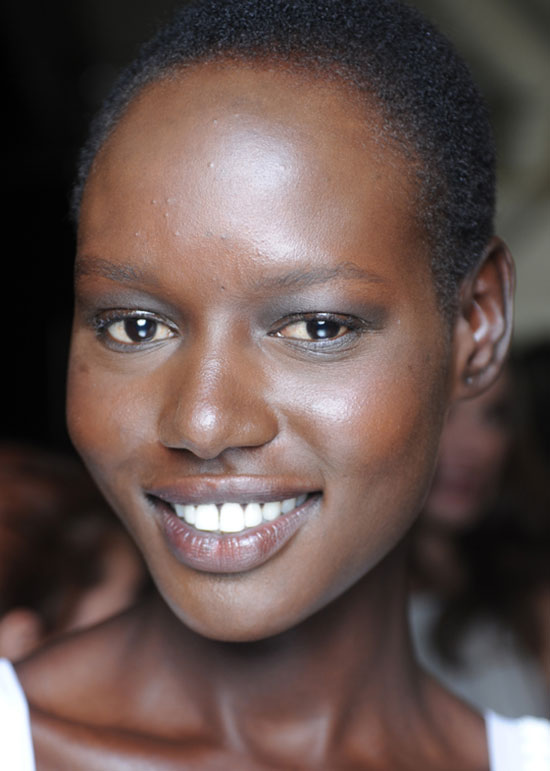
<point>154,201</point>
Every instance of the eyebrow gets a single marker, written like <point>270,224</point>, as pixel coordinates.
<point>300,279</point>
<point>293,280</point>
<point>121,273</point>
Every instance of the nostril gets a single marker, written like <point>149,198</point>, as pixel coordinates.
<point>208,431</point>
<point>213,403</point>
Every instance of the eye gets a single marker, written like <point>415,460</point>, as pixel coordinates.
<point>319,327</point>
<point>132,330</point>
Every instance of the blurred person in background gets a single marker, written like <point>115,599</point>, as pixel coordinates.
<point>65,562</point>
<point>481,550</point>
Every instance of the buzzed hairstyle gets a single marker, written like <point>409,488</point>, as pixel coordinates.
<point>394,60</point>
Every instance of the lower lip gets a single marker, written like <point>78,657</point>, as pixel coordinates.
<point>230,552</point>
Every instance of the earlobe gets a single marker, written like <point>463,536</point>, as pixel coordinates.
<point>483,327</point>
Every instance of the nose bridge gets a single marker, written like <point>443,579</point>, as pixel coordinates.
<point>216,401</point>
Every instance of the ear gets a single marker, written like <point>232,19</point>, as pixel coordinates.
<point>483,327</point>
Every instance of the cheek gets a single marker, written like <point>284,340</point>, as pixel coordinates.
<point>376,432</point>
<point>374,419</point>
<point>108,420</point>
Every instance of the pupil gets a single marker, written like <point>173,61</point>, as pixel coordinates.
<point>140,329</point>
<point>321,329</point>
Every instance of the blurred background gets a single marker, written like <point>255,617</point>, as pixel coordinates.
<point>60,58</point>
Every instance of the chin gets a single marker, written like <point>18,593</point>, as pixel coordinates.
<point>231,621</point>
<point>237,630</point>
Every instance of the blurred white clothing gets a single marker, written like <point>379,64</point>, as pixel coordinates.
<point>497,674</point>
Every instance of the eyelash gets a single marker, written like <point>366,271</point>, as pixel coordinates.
<point>107,319</point>
<point>102,323</point>
<point>354,325</point>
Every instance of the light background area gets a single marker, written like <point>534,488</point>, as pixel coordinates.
<point>507,43</point>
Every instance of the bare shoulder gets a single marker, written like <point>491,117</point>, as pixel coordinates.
<point>67,677</point>
<point>92,707</point>
<point>85,694</point>
<point>109,697</point>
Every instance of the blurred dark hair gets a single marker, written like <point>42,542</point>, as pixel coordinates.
<point>53,527</point>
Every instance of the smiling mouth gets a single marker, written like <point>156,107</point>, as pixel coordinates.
<point>232,517</point>
<point>213,535</point>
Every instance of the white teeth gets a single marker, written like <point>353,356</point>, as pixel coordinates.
<point>208,517</point>
<point>233,517</point>
<point>252,515</point>
<point>288,505</point>
<point>188,513</point>
<point>271,510</point>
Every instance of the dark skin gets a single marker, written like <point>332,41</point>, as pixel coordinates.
<point>258,219</point>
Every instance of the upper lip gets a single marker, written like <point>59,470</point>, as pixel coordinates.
<point>238,489</point>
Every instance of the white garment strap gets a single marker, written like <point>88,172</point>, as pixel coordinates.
<point>16,753</point>
<point>518,744</point>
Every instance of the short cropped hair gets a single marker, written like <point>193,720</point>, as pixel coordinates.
<point>390,56</point>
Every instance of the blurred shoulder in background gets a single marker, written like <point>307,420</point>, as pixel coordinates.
<point>480,609</point>
<point>65,561</point>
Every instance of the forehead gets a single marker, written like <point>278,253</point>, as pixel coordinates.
<point>233,149</point>
<point>217,99</point>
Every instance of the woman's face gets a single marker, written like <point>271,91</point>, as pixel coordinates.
<point>475,445</point>
<point>256,325</point>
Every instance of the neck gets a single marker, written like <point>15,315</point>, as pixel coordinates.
<point>349,664</point>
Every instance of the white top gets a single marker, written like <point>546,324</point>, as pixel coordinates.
<point>495,673</point>
<point>514,745</point>
<point>518,744</point>
<point>16,753</point>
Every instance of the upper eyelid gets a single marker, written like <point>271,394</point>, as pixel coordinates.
<point>112,315</point>
<point>102,319</point>
<point>353,322</point>
<point>311,315</point>
<point>125,312</point>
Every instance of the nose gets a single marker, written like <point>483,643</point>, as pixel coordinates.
<point>216,403</point>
